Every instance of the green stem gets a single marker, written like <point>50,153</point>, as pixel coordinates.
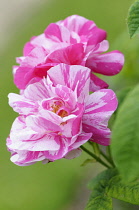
<point>95,147</point>
<point>97,151</point>
<point>109,151</point>
<point>109,160</point>
<point>109,154</point>
<point>95,157</point>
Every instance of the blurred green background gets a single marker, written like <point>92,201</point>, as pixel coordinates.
<point>60,185</point>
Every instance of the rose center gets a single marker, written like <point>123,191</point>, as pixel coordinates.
<point>57,108</point>
<point>63,113</point>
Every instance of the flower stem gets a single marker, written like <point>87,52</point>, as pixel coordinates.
<point>108,159</point>
<point>98,151</point>
<point>95,157</point>
<point>95,147</point>
<point>109,154</point>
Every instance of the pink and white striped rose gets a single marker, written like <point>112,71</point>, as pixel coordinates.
<point>57,115</point>
<point>74,41</point>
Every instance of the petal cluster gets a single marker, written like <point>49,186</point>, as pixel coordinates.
<point>57,115</point>
<point>55,76</point>
<point>74,41</point>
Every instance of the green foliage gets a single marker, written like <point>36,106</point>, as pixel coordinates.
<point>121,95</point>
<point>125,192</point>
<point>108,185</point>
<point>125,137</point>
<point>99,202</point>
<point>99,199</point>
<point>133,19</point>
<point>102,179</point>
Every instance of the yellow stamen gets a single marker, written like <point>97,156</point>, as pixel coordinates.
<point>63,113</point>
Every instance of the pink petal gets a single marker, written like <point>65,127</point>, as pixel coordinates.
<point>99,48</point>
<point>21,105</point>
<point>101,101</point>
<point>35,57</point>
<point>34,134</point>
<point>25,72</point>
<point>68,126</point>
<point>48,142</point>
<point>100,133</point>
<point>107,64</point>
<point>55,155</point>
<point>84,27</point>
<point>99,108</point>
<point>73,23</point>
<point>96,83</point>
<point>44,143</point>
<point>19,137</point>
<point>67,95</point>
<point>41,70</point>
<point>80,140</point>
<point>22,76</point>
<point>42,125</point>
<point>18,124</point>
<point>51,116</point>
<point>75,77</point>
<point>97,35</point>
<point>48,44</point>
<point>57,33</point>
<point>36,91</point>
<point>73,125</point>
<point>27,48</point>
<point>25,158</point>
<point>41,41</point>
<point>19,60</point>
<point>72,55</point>
<point>87,28</point>
<point>20,132</point>
<point>76,129</point>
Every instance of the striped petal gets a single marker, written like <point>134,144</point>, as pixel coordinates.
<point>72,55</point>
<point>57,33</point>
<point>75,77</point>
<point>74,23</point>
<point>96,83</point>
<point>98,110</point>
<point>36,92</point>
<point>33,137</point>
<point>21,105</point>
<point>61,152</point>
<point>107,64</point>
<point>26,158</point>
<point>80,140</point>
<point>97,35</point>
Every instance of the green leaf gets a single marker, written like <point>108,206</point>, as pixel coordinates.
<point>121,95</point>
<point>102,179</point>
<point>99,199</point>
<point>101,202</point>
<point>108,185</point>
<point>133,19</point>
<point>125,137</point>
<point>125,192</point>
